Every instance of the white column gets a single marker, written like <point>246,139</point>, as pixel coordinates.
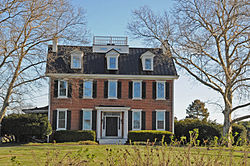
<point>98,127</point>
<point>125,131</point>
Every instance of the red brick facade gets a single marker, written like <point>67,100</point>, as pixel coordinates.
<point>75,104</point>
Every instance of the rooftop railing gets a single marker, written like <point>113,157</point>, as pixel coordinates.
<point>109,40</point>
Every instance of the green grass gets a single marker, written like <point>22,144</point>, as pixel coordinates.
<point>39,154</point>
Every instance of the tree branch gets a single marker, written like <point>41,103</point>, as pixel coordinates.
<point>241,118</point>
<point>240,106</point>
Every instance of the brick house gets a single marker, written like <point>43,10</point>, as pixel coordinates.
<point>110,88</point>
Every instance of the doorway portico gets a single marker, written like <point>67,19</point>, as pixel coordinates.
<point>112,124</point>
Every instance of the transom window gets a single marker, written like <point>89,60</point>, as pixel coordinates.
<point>87,89</point>
<point>160,120</point>
<point>87,119</point>
<point>112,89</point>
<point>148,63</point>
<point>160,86</point>
<point>137,89</point>
<point>136,120</point>
<point>62,88</point>
<point>61,119</point>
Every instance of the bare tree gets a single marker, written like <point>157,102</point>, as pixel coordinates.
<point>26,28</point>
<point>210,40</point>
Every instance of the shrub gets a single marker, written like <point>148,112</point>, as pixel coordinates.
<point>241,135</point>
<point>88,143</point>
<point>74,135</point>
<point>25,126</point>
<point>207,131</point>
<point>149,135</point>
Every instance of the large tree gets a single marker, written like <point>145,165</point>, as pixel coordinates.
<point>197,110</point>
<point>210,40</point>
<point>26,27</point>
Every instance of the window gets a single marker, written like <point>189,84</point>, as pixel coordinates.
<point>160,89</point>
<point>136,120</point>
<point>76,57</point>
<point>62,91</point>
<point>148,64</point>
<point>137,90</point>
<point>112,63</point>
<point>87,89</point>
<point>61,119</point>
<point>112,89</point>
<point>87,119</point>
<point>160,120</point>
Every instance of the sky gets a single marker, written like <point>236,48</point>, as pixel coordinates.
<point>110,18</point>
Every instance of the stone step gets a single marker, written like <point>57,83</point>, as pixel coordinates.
<point>112,141</point>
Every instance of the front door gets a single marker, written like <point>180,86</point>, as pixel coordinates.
<point>111,126</point>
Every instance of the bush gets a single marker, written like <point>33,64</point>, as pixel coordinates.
<point>88,143</point>
<point>25,126</point>
<point>241,135</point>
<point>149,135</point>
<point>207,130</point>
<point>74,135</point>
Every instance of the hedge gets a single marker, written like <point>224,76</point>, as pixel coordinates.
<point>207,131</point>
<point>151,135</point>
<point>25,126</point>
<point>74,135</point>
<point>241,136</point>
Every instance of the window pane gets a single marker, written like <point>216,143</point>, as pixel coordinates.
<point>137,89</point>
<point>61,119</point>
<point>160,116</point>
<point>112,62</point>
<point>88,88</point>
<point>87,120</point>
<point>112,88</point>
<point>160,124</point>
<point>61,114</point>
<point>148,63</point>
<point>61,124</point>
<point>76,62</point>
<point>160,90</point>
<point>63,87</point>
<point>137,120</point>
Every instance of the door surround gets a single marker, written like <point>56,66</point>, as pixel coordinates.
<point>106,115</point>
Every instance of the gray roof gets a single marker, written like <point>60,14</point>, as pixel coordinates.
<point>95,63</point>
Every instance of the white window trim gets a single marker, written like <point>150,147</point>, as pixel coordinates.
<point>163,120</point>
<point>115,89</point>
<point>79,54</point>
<point>147,55</point>
<point>116,62</point>
<point>57,119</point>
<point>152,64</point>
<point>136,110</point>
<point>84,110</point>
<point>87,97</point>
<point>59,96</point>
<point>164,83</point>
<point>137,98</point>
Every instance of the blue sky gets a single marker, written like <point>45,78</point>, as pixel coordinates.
<point>110,18</point>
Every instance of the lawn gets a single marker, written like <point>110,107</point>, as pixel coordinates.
<point>72,153</point>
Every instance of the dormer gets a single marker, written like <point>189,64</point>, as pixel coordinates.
<point>147,60</point>
<point>76,59</point>
<point>112,59</point>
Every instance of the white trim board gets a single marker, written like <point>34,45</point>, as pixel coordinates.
<point>111,76</point>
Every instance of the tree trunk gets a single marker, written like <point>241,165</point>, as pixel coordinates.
<point>227,127</point>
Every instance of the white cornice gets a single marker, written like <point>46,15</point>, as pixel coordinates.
<point>111,76</point>
<point>111,109</point>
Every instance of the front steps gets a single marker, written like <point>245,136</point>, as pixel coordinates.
<point>113,141</point>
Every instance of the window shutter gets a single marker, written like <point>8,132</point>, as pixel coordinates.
<point>81,120</point>
<point>94,89</point>
<point>144,90</point>
<point>119,90</point>
<point>154,90</point>
<point>143,114</point>
<point>130,89</point>
<point>129,120</point>
<point>80,88</point>
<point>167,90</point>
<point>68,120</point>
<point>167,128</point>
<point>105,89</point>
<point>55,88</point>
<point>153,120</point>
<point>94,113</point>
<point>69,89</point>
<point>54,121</point>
